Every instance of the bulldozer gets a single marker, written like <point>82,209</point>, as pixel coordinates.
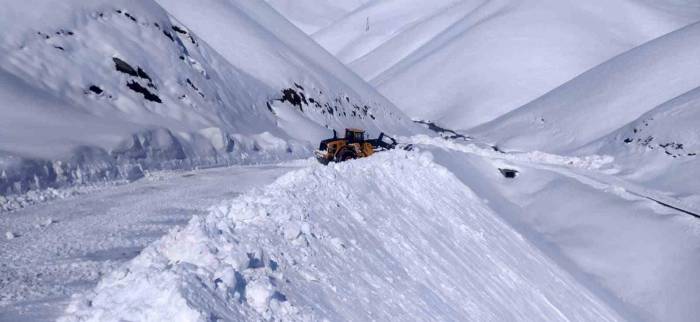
<point>354,145</point>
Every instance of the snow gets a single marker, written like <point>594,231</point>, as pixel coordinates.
<point>312,15</point>
<point>432,234</point>
<point>638,256</point>
<point>413,243</point>
<point>66,246</point>
<point>463,63</point>
<point>603,99</point>
<point>119,87</point>
<point>660,149</point>
<point>591,162</point>
<point>117,115</point>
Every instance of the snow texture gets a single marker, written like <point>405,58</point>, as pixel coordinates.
<point>313,15</point>
<point>104,90</point>
<point>605,98</point>
<point>66,246</point>
<point>463,63</point>
<point>413,243</point>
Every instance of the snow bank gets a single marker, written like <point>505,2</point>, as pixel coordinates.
<point>590,162</point>
<point>392,237</point>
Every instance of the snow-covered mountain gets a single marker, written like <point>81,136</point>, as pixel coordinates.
<point>105,89</point>
<point>604,98</point>
<point>559,187</point>
<point>463,63</point>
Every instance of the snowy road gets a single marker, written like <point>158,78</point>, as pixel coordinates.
<point>562,220</point>
<point>65,246</point>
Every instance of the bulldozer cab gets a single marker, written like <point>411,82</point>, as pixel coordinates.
<point>354,135</point>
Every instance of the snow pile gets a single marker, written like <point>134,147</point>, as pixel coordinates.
<point>103,90</point>
<point>392,237</point>
<point>32,197</point>
<point>463,63</point>
<point>590,162</point>
<point>605,98</point>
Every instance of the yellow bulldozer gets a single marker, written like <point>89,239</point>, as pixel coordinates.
<point>354,145</point>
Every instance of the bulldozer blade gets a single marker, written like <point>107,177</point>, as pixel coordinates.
<point>321,158</point>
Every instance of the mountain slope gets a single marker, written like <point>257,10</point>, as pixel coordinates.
<point>463,63</point>
<point>263,92</point>
<point>312,15</point>
<point>661,148</point>
<point>605,98</point>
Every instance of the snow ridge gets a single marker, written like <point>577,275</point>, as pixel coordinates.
<point>326,243</point>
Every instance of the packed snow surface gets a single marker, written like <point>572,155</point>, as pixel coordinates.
<point>462,63</point>
<point>66,246</point>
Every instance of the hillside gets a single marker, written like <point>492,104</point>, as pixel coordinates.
<point>660,148</point>
<point>312,15</point>
<point>463,63</point>
<point>605,98</point>
<point>105,90</point>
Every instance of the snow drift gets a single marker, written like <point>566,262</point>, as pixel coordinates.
<point>101,90</point>
<point>463,63</point>
<point>414,243</point>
